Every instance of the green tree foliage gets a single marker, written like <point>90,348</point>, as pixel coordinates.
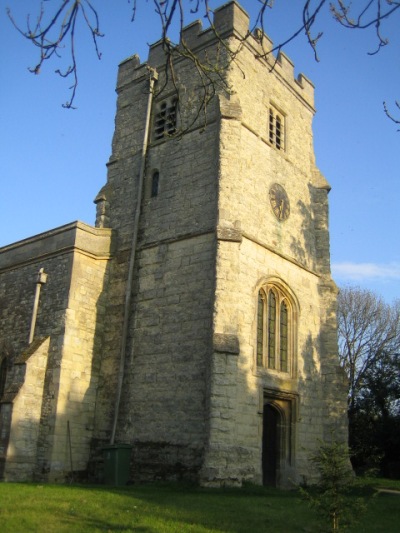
<point>375,420</point>
<point>369,350</point>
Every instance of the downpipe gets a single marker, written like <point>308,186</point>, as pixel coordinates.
<point>128,292</point>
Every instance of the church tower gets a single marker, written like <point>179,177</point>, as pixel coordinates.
<point>219,351</point>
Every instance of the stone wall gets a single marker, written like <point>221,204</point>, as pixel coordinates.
<point>58,382</point>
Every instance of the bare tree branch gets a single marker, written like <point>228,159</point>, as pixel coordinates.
<point>389,115</point>
<point>52,32</point>
<point>372,14</point>
<point>50,36</point>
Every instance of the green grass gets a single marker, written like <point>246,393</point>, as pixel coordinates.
<point>176,508</point>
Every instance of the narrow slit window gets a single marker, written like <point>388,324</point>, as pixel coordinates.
<point>3,376</point>
<point>155,183</point>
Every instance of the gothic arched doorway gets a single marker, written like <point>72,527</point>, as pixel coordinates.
<point>271,444</point>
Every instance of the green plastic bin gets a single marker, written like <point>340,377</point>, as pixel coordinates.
<point>117,459</point>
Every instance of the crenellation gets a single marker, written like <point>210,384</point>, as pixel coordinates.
<point>230,20</point>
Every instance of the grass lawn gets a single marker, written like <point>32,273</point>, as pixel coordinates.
<point>176,508</point>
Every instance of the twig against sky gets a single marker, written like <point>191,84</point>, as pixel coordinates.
<point>54,29</point>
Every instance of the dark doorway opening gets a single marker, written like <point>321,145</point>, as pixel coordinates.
<point>271,445</point>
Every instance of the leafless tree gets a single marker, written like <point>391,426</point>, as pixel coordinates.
<point>54,27</point>
<point>369,332</point>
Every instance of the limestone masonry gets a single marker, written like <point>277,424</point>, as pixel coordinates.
<point>197,321</point>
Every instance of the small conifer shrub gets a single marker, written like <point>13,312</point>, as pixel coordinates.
<point>333,496</point>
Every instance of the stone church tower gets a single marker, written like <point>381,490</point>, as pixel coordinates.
<point>196,322</point>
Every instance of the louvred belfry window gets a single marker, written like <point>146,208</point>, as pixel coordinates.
<point>276,129</point>
<point>165,119</point>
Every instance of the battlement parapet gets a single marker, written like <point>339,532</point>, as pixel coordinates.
<point>230,20</point>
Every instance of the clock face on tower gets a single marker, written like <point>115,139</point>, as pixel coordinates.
<point>279,201</point>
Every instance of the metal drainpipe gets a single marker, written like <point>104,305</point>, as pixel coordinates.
<point>128,293</point>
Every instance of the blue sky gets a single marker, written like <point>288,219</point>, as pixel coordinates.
<point>53,160</point>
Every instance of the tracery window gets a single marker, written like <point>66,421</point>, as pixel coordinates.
<point>165,119</point>
<point>274,329</point>
<point>276,129</point>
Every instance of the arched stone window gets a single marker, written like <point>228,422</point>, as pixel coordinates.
<point>275,329</point>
